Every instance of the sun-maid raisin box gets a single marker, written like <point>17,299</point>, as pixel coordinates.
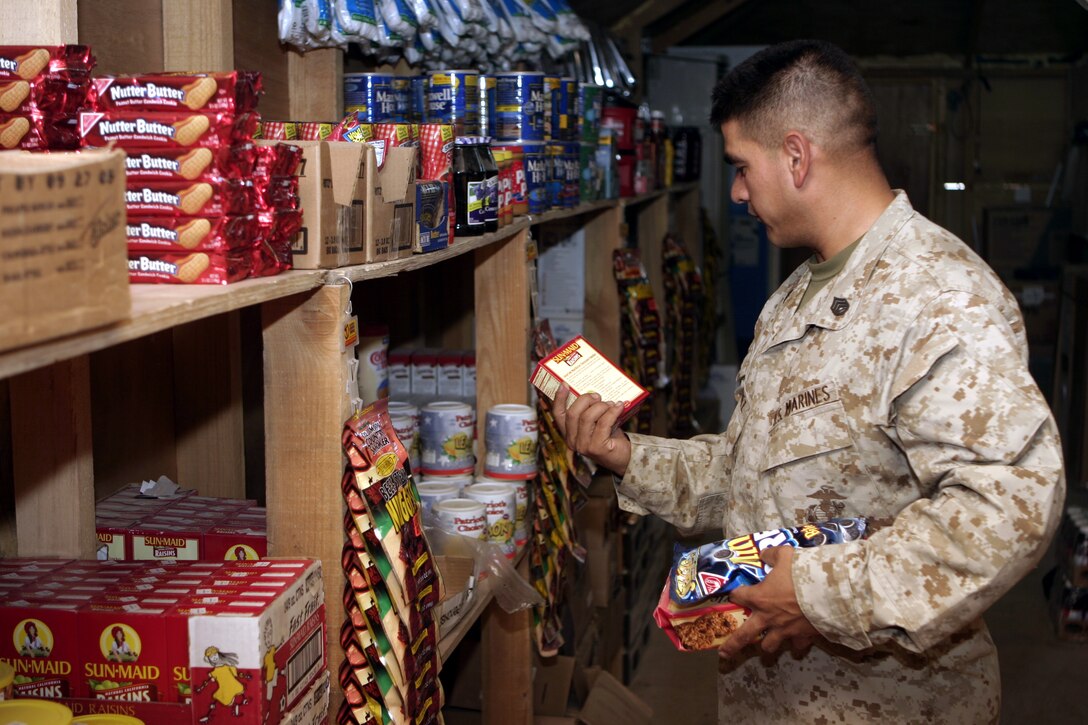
<point>169,642</point>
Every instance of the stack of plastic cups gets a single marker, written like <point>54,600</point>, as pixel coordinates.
<point>406,419</point>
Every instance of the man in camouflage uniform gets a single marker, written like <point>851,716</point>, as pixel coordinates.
<point>898,391</point>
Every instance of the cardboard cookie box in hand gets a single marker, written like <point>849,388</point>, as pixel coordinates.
<point>63,257</point>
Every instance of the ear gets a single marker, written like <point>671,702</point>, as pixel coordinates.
<point>798,150</point>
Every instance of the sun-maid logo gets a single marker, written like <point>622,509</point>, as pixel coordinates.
<point>120,643</point>
<point>241,552</point>
<point>33,638</point>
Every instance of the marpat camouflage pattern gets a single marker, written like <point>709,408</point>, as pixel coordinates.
<point>913,406</point>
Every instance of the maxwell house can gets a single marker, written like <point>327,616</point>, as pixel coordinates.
<point>453,97</point>
<point>417,99</point>
<point>402,93</point>
<point>520,106</point>
<point>487,105</point>
<point>564,109</point>
<point>370,96</point>
<point>551,93</point>
<point>536,176</point>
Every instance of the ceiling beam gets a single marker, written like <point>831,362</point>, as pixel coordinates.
<point>689,26</point>
<point>646,13</point>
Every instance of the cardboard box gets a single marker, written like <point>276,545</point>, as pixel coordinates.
<point>597,522</point>
<point>332,189</point>
<point>432,216</point>
<point>63,250</point>
<point>551,685</point>
<point>390,204</point>
<point>609,702</point>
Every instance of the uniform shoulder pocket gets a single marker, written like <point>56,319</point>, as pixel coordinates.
<point>804,435</point>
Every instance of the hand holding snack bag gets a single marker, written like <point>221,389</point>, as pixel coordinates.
<point>695,610</point>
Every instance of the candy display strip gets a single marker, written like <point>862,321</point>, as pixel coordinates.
<point>683,301</point>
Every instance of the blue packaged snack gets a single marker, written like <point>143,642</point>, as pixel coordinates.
<point>714,570</point>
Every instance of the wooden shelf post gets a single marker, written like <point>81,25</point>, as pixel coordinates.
<point>53,460</point>
<point>305,410</point>
<point>502,373</point>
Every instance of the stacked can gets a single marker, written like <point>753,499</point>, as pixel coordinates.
<point>417,99</point>
<point>371,97</point>
<point>446,433</point>
<point>564,110</point>
<point>500,502</point>
<point>487,105</point>
<point>551,91</point>
<point>453,97</point>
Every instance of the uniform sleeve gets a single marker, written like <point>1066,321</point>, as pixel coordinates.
<point>985,452</point>
<point>684,482</point>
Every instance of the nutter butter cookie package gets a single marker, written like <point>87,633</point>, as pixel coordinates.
<point>234,91</point>
<point>694,609</point>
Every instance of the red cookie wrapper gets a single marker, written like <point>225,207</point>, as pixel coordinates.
<point>55,94</point>
<point>191,268</point>
<point>36,131</point>
<point>279,193</point>
<point>237,161</point>
<point>277,230</point>
<point>233,91</point>
<point>28,62</point>
<point>212,197</point>
<point>182,234</point>
<point>436,147</point>
<point>159,129</point>
<point>276,131</point>
<point>281,159</point>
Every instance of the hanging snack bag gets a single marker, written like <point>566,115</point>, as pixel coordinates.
<point>694,609</point>
<point>379,462</point>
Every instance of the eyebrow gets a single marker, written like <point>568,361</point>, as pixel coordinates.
<point>731,160</point>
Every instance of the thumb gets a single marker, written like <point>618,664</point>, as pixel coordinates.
<point>777,556</point>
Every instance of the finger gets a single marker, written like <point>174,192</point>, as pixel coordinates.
<point>559,409</point>
<point>742,596</point>
<point>775,555</point>
<point>772,641</point>
<point>801,645</point>
<point>574,418</point>
<point>588,425</point>
<point>606,424</point>
<point>748,632</point>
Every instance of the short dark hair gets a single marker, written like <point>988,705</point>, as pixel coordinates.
<point>807,85</point>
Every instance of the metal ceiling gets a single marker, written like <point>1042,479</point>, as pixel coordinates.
<point>864,28</point>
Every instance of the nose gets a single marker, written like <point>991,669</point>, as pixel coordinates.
<point>738,192</point>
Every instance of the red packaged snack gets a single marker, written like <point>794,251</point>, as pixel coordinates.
<point>183,164</point>
<point>233,91</point>
<point>352,128</point>
<point>135,129</point>
<point>27,62</point>
<point>35,131</point>
<point>276,131</point>
<point>181,234</point>
<point>196,268</point>
<point>277,159</point>
<point>436,149</point>
<point>313,130</point>
<point>280,192</point>
<point>277,232</point>
<point>212,197</point>
<point>50,94</point>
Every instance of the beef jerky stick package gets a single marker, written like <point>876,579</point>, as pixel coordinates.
<point>382,476</point>
<point>359,683</point>
<point>694,609</point>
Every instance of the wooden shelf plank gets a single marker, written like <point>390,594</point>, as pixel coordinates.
<point>160,307</point>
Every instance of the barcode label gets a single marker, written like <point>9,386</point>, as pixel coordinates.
<point>304,662</point>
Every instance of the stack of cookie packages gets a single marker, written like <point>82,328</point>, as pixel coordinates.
<point>206,205</point>
<point>42,91</point>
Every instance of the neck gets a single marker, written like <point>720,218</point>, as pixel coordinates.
<point>852,202</point>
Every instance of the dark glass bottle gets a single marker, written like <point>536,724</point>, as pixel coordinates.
<point>469,188</point>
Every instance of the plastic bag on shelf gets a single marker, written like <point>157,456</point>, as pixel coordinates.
<point>357,20</point>
<point>511,591</point>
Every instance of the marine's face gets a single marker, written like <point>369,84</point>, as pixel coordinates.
<point>763,182</point>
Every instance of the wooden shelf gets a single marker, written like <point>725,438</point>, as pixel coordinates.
<point>160,307</point>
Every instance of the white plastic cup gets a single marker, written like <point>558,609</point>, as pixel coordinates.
<point>446,432</point>
<point>501,502</point>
